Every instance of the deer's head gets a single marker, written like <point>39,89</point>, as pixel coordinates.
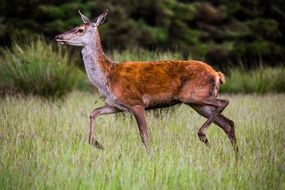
<point>81,35</point>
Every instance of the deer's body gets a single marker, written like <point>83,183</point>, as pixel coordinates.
<point>161,83</point>
<point>138,86</point>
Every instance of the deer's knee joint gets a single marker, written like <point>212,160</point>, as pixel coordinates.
<point>226,102</point>
<point>92,116</point>
<point>232,124</point>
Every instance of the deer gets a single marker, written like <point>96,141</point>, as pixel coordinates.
<point>138,86</point>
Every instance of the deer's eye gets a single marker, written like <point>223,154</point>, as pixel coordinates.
<point>80,30</point>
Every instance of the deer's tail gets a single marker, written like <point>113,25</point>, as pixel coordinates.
<point>221,77</point>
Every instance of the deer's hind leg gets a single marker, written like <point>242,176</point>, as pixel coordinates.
<point>203,92</point>
<point>218,106</point>
<point>223,122</point>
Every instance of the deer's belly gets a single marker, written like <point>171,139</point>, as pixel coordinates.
<point>160,99</point>
<point>162,104</point>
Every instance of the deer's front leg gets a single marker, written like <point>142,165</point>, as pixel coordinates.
<point>95,113</point>
<point>139,113</point>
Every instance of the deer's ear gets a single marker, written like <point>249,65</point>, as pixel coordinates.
<point>101,18</point>
<point>84,18</point>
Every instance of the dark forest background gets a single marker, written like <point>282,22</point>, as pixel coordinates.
<point>221,32</point>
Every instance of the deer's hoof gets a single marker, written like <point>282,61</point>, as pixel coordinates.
<point>96,144</point>
<point>204,139</point>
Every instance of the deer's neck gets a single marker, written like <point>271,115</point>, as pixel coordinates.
<point>96,64</point>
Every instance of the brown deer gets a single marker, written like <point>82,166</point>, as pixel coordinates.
<point>138,86</point>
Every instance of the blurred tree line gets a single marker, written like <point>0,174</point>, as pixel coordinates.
<point>220,31</point>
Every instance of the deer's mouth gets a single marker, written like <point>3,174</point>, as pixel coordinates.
<point>61,42</point>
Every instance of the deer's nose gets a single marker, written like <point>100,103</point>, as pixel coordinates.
<point>58,37</point>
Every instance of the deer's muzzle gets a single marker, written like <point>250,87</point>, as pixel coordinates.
<point>59,39</point>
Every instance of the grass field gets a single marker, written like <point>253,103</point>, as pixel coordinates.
<point>43,145</point>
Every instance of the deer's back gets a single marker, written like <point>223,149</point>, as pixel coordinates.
<point>157,82</point>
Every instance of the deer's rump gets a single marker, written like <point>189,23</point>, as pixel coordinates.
<point>162,83</point>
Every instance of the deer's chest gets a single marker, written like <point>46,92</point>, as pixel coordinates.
<point>99,79</point>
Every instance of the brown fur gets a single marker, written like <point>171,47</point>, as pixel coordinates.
<point>160,82</point>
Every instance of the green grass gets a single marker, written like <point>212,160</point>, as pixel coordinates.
<point>39,68</point>
<point>261,80</point>
<point>137,54</point>
<point>44,146</point>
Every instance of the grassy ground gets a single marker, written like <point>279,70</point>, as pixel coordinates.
<point>44,146</point>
